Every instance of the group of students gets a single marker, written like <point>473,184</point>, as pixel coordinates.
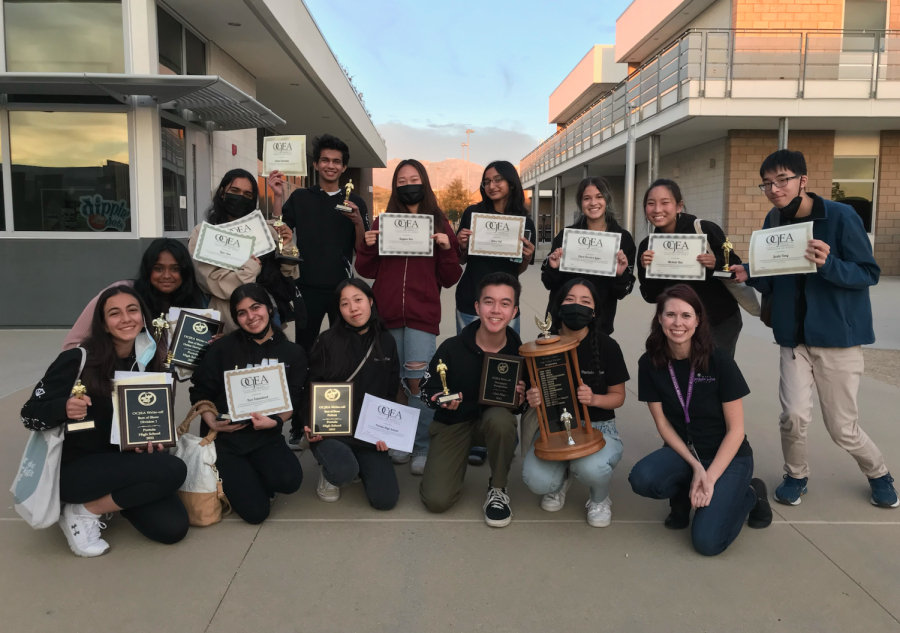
<point>382,338</point>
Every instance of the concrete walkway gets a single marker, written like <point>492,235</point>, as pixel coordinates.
<point>830,564</point>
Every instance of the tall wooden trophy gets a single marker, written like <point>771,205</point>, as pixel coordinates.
<point>552,362</point>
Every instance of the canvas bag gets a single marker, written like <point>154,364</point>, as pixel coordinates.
<point>36,486</point>
<point>745,295</point>
<point>201,493</point>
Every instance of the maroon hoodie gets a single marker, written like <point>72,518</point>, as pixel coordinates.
<point>408,289</point>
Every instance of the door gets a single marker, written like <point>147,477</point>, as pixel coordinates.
<point>199,185</point>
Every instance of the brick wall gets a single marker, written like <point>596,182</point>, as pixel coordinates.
<point>746,205</point>
<point>887,216</point>
<point>787,14</point>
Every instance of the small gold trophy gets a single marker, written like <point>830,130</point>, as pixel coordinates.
<point>544,326</point>
<point>343,207</point>
<point>79,390</point>
<point>566,419</point>
<point>447,396</point>
<point>727,247</point>
<point>289,253</point>
<point>159,324</point>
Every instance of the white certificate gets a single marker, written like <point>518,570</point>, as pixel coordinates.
<point>675,256</point>
<point>781,251</point>
<point>405,234</point>
<point>261,390</point>
<point>223,248</point>
<point>497,235</point>
<point>388,422</point>
<point>253,224</point>
<point>286,154</point>
<point>590,252</point>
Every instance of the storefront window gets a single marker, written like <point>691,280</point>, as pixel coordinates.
<point>51,36</point>
<point>174,177</point>
<point>70,171</point>
<point>853,183</point>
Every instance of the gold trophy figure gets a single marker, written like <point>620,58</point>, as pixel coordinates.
<point>447,396</point>
<point>566,419</point>
<point>544,326</point>
<point>159,324</point>
<point>79,390</point>
<point>727,247</point>
<point>344,208</point>
<point>289,253</point>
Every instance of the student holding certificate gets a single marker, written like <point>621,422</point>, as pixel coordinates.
<point>254,460</point>
<point>408,287</point>
<point>664,207</point>
<point>595,202</point>
<point>356,348</point>
<point>820,320</point>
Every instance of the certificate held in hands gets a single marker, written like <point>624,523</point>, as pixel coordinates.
<point>331,408</point>
<point>405,234</point>
<point>675,256</point>
<point>781,251</point>
<point>590,252</point>
<point>385,421</point>
<point>253,224</point>
<point>286,154</point>
<point>497,235</point>
<point>262,390</point>
<point>223,248</point>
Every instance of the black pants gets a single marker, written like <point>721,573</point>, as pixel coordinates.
<point>318,302</point>
<point>251,480</point>
<point>142,484</point>
<point>341,463</point>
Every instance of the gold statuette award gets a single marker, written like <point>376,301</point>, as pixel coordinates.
<point>344,208</point>
<point>446,396</point>
<point>79,391</point>
<point>288,253</point>
<point>727,247</point>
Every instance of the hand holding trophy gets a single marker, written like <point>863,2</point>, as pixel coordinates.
<point>344,208</point>
<point>727,247</point>
<point>289,253</point>
<point>447,396</point>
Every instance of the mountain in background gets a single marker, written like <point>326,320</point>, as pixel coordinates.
<point>440,174</point>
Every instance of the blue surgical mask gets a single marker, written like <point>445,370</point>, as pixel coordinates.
<point>144,349</point>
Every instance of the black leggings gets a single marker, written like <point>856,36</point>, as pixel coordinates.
<point>251,480</point>
<point>341,464</point>
<point>142,484</point>
<point>318,303</point>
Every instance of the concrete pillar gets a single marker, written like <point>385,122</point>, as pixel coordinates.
<point>536,208</point>
<point>628,213</point>
<point>584,172</point>
<point>783,133</point>
<point>653,162</point>
<point>555,220</point>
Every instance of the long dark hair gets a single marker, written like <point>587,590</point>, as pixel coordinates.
<point>256,293</point>
<point>603,187</point>
<point>428,205</point>
<point>187,295</point>
<point>702,342</point>
<point>100,366</point>
<point>515,203</point>
<point>330,356</point>
<point>595,328</point>
<point>216,214</point>
<point>671,185</point>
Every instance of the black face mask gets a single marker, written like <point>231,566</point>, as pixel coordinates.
<point>411,194</point>
<point>790,211</point>
<point>358,329</point>
<point>258,336</point>
<point>576,317</point>
<point>237,206</point>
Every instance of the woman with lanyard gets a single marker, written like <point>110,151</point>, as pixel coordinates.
<point>357,348</point>
<point>408,291</point>
<point>595,202</point>
<point>95,477</point>
<point>694,391</point>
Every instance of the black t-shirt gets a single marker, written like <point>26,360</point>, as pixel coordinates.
<point>613,371</point>
<point>477,266</point>
<point>800,311</point>
<point>722,382</point>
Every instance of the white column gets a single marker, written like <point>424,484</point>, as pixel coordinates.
<point>628,214</point>
<point>783,133</point>
<point>653,162</point>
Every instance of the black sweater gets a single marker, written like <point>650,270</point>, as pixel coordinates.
<point>463,359</point>
<point>718,300</point>
<point>239,350</point>
<point>611,289</point>
<point>326,238</point>
<point>380,376</point>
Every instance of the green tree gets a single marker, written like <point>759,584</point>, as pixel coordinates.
<point>454,200</point>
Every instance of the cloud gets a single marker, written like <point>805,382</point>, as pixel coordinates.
<point>436,142</point>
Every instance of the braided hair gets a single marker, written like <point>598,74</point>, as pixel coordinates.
<point>594,327</point>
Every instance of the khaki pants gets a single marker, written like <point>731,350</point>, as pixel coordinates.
<point>835,372</point>
<point>448,455</point>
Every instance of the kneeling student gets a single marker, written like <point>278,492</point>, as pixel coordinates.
<point>457,424</point>
<point>253,459</point>
<point>357,348</point>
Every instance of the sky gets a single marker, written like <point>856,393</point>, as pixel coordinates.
<point>428,70</point>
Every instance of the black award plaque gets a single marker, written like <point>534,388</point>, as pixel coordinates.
<point>500,373</point>
<point>145,415</point>
<point>331,408</point>
<point>191,339</point>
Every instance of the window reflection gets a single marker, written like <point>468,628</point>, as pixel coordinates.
<point>70,171</point>
<point>174,177</point>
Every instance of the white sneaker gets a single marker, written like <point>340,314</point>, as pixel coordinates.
<point>83,532</point>
<point>417,466</point>
<point>326,491</point>
<point>554,501</point>
<point>599,514</point>
<point>398,457</point>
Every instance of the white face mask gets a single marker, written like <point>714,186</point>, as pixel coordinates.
<point>144,349</point>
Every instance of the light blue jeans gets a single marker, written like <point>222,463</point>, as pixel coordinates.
<point>595,471</point>
<point>415,346</point>
<point>463,319</point>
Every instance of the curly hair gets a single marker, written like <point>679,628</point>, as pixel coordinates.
<point>702,342</point>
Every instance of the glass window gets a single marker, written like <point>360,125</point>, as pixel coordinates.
<point>2,199</point>
<point>52,36</point>
<point>853,183</point>
<point>195,52</point>
<point>169,42</point>
<point>70,171</point>
<point>870,15</point>
<point>174,177</point>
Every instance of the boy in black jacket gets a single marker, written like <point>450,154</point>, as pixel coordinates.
<point>457,423</point>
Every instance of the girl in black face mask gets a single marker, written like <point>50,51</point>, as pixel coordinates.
<point>237,197</point>
<point>601,387</point>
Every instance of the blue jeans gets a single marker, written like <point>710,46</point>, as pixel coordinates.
<point>595,471</point>
<point>463,319</point>
<point>415,346</point>
<point>663,474</point>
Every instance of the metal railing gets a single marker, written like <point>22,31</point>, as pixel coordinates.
<point>732,64</point>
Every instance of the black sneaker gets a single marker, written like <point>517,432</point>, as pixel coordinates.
<point>496,508</point>
<point>761,514</point>
<point>294,438</point>
<point>680,515</point>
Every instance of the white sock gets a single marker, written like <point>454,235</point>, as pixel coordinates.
<point>78,508</point>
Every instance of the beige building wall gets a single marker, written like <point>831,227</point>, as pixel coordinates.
<point>788,14</point>
<point>222,64</point>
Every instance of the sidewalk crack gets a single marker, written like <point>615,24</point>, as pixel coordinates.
<point>225,593</point>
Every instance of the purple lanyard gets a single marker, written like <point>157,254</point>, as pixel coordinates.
<point>684,404</point>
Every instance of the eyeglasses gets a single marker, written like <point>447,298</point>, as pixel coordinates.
<point>778,182</point>
<point>487,181</point>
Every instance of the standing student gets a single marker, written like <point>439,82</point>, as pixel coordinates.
<point>357,348</point>
<point>166,279</point>
<point>95,477</point>
<point>602,389</point>
<point>326,237</point>
<point>237,197</point>
<point>595,202</point>
<point>253,460</point>
<point>695,392</point>
<point>460,423</point>
<point>408,290</point>
<point>664,207</point>
<point>820,321</point>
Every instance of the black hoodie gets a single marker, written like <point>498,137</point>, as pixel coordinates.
<point>463,359</point>
<point>611,289</point>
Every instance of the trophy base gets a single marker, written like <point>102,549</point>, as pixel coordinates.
<point>344,208</point>
<point>726,274</point>
<point>450,397</point>
<point>557,448</point>
<point>553,338</point>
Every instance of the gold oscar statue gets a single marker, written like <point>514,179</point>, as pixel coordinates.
<point>727,247</point>
<point>447,396</point>
<point>289,253</point>
<point>344,207</point>
<point>566,419</point>
<point>159,324</point>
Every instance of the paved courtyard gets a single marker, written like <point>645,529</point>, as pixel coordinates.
<point>830,564</point>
